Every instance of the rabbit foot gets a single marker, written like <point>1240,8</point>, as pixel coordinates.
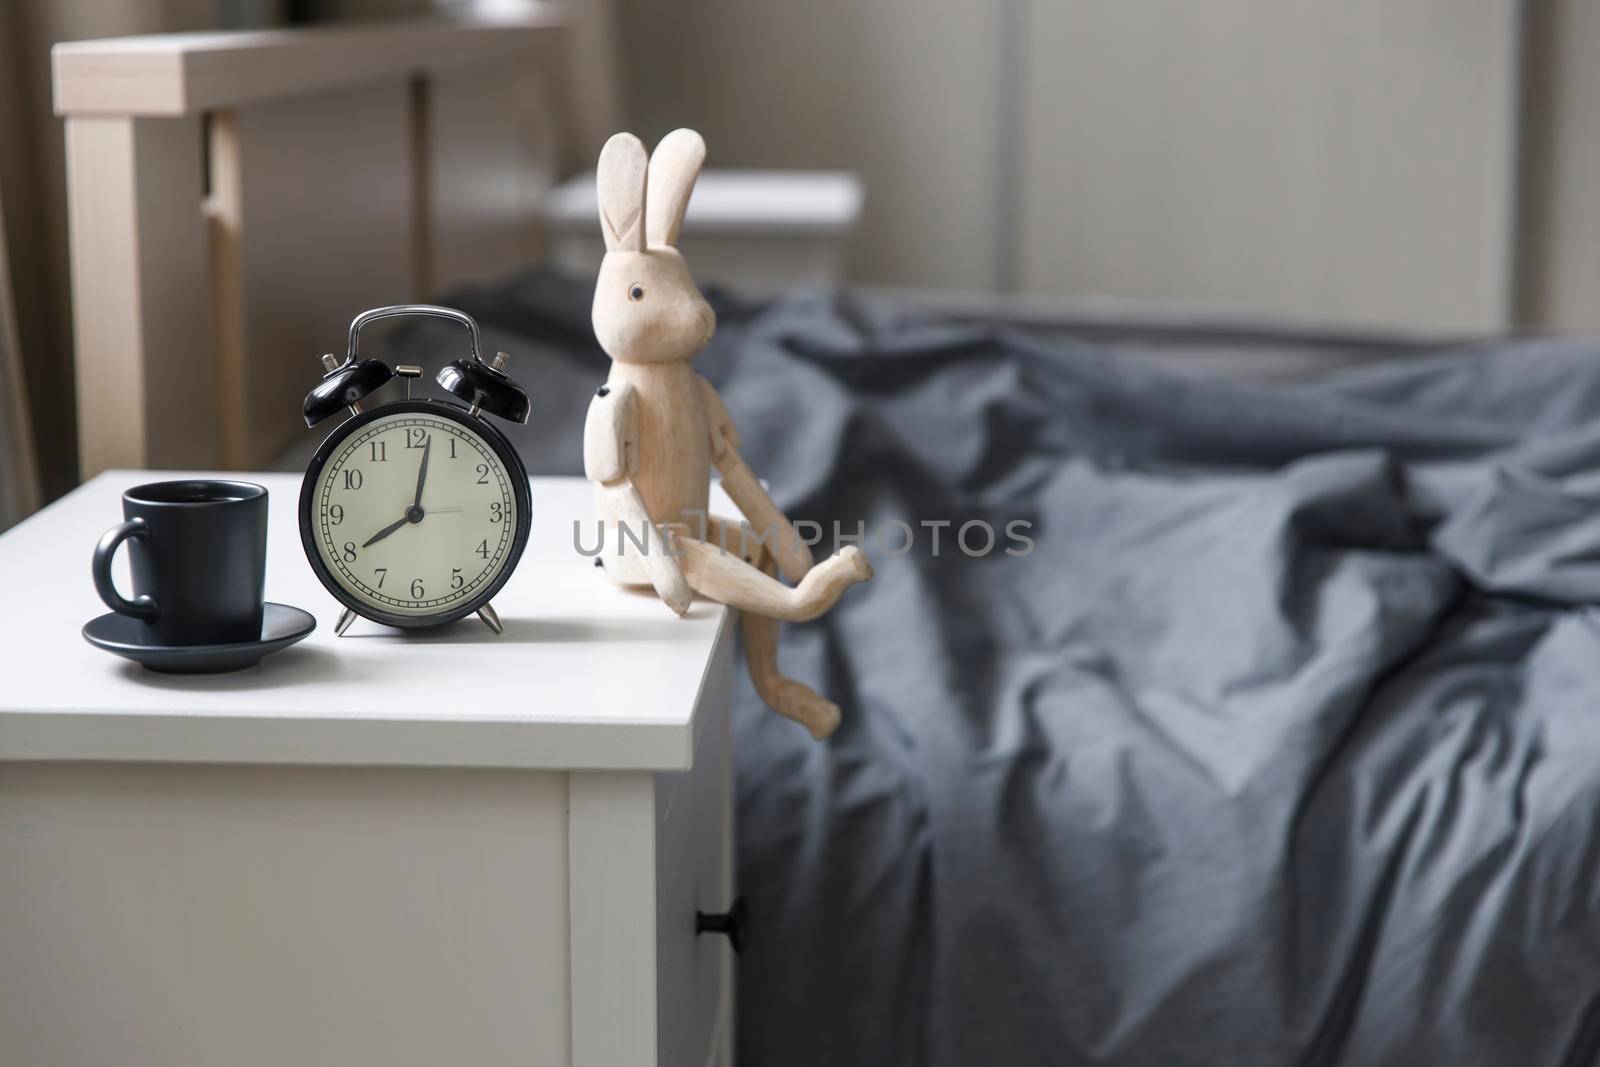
<point>798,701</point>
<point>860,566</point>
<point>822,586</point>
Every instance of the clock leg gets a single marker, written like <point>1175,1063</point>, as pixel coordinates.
<point>490,619</point>
<point>346,617</point>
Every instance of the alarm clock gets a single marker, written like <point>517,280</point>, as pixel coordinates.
<point>415,513</point>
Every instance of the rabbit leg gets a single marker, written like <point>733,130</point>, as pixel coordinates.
<point>789,698</point>
<point>739,482</point>
<point>723,575</point>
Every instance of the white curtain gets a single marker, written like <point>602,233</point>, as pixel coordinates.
<point>19,471</point>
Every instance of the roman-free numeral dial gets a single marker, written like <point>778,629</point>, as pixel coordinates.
<point>415,514</point>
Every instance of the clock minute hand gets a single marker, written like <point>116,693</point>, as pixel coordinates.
<point>422,471</point>
<point>386,531</point>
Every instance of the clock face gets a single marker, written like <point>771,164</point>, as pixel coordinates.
<point>414,514</point>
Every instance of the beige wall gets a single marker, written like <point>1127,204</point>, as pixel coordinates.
<point>904,91</point>
<point>1559,267</point>
<point>1351,162</point>
<point>1431,163</point>
<point>1428,163</point>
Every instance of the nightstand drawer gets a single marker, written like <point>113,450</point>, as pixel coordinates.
<point>646,852</point>
<point>694,874</point>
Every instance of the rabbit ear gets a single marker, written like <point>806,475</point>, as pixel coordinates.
<point>673,170</point>
<point>620,183</point>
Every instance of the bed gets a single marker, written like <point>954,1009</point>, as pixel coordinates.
<point>1279,746</point>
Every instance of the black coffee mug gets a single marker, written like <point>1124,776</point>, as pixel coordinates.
<point>198,552</point>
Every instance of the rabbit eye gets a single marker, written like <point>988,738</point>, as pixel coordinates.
<point>636,293</point>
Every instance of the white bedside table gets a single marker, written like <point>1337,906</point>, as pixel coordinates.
<point>375,849</point>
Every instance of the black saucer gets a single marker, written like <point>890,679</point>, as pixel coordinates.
<point>281,626</point>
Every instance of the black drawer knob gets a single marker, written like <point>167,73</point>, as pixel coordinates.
<point>730,922</point>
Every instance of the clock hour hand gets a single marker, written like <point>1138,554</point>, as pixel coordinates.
<point>387,530</point>
<point>422,471</point>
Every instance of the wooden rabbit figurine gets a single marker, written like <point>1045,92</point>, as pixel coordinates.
<point>656,428</point>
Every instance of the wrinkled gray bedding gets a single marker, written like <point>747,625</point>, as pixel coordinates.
<point>1282,746</point>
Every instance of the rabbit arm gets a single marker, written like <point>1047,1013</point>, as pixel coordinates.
<point>610,458</point>
<point>793,555</point>
<point>611,435</point>
<point>724,437</point>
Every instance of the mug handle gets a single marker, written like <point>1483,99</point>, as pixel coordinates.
<point>142,607</point>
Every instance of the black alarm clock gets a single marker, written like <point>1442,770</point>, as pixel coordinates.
<point>415,513</point>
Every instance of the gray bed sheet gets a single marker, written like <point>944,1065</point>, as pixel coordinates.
<point>1282,746</point>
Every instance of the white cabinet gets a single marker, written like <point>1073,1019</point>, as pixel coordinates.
<point>380,849</point>
<point>649,852</point>
<point>756,232</point>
